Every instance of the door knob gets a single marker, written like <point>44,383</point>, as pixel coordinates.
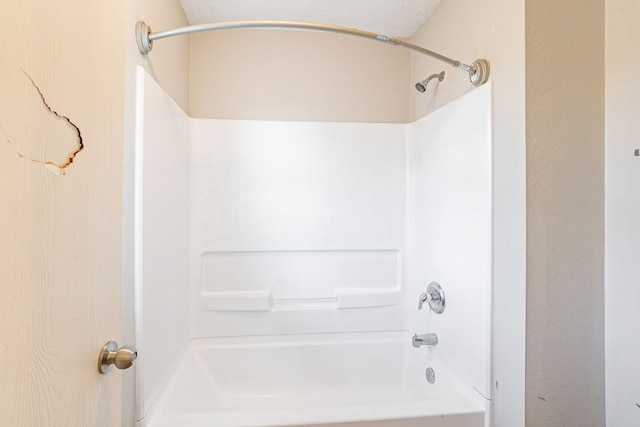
<point>111,355</point>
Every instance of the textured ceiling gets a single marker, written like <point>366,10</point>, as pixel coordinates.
<point>397,18</point>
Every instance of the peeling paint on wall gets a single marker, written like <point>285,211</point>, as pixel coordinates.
<point>36,131</point>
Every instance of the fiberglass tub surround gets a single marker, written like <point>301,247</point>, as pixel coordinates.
<point>292,257</point>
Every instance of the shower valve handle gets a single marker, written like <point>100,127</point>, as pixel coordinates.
<point>423,298</point>
<point>428,297</point>
<point>434,297</point>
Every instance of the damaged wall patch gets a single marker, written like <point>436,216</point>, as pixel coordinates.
<point>27,122</point>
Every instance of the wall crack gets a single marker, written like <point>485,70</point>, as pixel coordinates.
<point>58,169</point>
<point>35,131</point>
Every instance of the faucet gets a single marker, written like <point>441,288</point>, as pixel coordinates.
<point>424,339</point>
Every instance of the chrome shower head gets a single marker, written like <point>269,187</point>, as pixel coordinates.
<point>422,86</point>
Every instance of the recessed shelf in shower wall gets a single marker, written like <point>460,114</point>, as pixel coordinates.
<point>264,301</point>
<point>292,280</point>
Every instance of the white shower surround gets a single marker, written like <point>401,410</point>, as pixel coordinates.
<point>226,206</point>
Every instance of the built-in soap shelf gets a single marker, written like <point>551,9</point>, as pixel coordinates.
<point>265,301</point>
<point>237,301</point>
<point>300,280</point>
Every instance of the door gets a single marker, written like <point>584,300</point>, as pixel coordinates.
<point>62,89</point>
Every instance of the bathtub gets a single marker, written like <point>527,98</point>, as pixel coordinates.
<point>351,379</point>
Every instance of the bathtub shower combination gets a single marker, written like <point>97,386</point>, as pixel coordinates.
<point>317,379</point>
<point>303,273</point>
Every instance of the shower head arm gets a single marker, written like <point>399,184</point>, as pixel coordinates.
<point>478,70</point>
<point>439,76</point>
<point>422,86</point>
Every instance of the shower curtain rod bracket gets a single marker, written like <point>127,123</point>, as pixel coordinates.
<point>143,32</point>
<point>478,70</point>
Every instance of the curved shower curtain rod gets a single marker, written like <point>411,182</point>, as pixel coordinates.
<point>478,70</point>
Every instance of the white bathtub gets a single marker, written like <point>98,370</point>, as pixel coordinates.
<point>355,379</point>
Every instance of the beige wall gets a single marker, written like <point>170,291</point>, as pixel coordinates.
<point>565,213</point>
<point>622,172</point>
<point>286,75</point>
<point>494,30</point>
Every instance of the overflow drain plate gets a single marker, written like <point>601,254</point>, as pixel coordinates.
<point>430,375</point>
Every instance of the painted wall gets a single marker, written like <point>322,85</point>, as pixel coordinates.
<point>565,213</point>
<point>622,211</point>
<point>285,75</point>
<point>62,90</point>
<point>495,31</point>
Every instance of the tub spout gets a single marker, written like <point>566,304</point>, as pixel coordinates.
<point>424,339</point>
